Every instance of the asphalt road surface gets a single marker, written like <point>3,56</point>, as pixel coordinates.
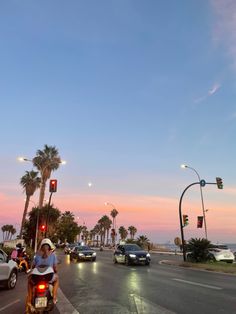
<point>102,287</point>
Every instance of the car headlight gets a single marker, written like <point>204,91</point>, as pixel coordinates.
<point>94,253</point>
<point>148,255</point>
<point>81,254</point>
<point>132,255</point>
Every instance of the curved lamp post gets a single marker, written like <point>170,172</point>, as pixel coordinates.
<point>203,210</point>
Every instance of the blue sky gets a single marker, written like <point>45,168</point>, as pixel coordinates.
<point>127,91</point>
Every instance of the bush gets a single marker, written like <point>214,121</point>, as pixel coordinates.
<point>198,250</point>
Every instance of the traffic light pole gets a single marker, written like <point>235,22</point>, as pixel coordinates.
<point>180,215</point>
<point>49,203</point>
<point>181,221</point>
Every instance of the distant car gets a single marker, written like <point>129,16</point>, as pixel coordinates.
<point>83,253</point>
<point>131,254</point>
<point>8,271</point>
<point>221,253</point>
<point>69,247</point>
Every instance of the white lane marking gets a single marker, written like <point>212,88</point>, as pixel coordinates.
<point>64,306</point>
<point>198,284</point>
<point>145,306</point>
<point>8,305</point>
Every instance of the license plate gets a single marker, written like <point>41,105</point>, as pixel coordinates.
<point>41,302</point>
<point>142,259</point>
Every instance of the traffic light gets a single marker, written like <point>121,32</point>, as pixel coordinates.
<point>185,219</point>
<point>43,228</point>
<point>219,183</point>
<point>53,186</point>
<point>82,237</point>
<point>199,221</point>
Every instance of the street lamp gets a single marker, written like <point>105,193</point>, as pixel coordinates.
<point>203,210</point>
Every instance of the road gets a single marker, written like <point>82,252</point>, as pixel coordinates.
<point>105,288</point>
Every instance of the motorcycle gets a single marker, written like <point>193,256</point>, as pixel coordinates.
<point>42,291</point>
<point>23,264</point>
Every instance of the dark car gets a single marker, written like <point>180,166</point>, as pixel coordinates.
<point>131,254</point>
<point>83,253</point>
<point>68,248</point>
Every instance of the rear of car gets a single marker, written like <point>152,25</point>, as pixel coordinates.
<point>221,253</point>
<point>8,271</point>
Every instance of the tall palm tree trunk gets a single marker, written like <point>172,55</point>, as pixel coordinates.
<point>24,215</point>
<point>42,193</point>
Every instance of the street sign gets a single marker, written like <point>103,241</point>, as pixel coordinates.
<point>202,182</point>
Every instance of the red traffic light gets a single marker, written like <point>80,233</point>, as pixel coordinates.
<point>53,186</point>
<point>199,221</point>
<point>43,227</point>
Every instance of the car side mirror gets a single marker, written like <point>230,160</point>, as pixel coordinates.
<point>118,252</point>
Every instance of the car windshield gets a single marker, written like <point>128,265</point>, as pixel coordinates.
<point>220,246</point>
<point>132,247</point>
<point>83,248</point>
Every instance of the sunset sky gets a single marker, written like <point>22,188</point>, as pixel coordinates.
<point>127,91</point>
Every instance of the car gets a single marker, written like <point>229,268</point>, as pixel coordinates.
<point>8,271</point>
<point>131,254</point>
<point>83,253</point>
<point>69,247</point>
<point>221,253</point>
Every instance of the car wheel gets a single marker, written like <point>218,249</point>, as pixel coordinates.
<point>94,259</point>
<point>127,261</point>
<point>11,282</point>
<point>147,263</point>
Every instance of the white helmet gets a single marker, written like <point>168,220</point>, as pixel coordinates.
<point>48,242</point>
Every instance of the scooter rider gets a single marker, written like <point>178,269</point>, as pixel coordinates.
<point>45,257</point>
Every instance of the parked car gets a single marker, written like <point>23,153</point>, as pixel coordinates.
<point>221,253</point>
<point>131,254</point>
<point>83,253</point>
<point>8,271</point>
<point>69,247</point>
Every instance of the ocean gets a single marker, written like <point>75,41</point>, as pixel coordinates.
<point>173,247</point>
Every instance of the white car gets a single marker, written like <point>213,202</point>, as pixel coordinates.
<point>8,271</point>
<point>221,253</point>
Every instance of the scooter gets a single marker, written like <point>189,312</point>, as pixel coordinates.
<point>23,264</point>
<point>42,297</point>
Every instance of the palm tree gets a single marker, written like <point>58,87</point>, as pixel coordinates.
<point>46,161</point>
<point>12,231</point>
<point>30,183</point>
<point>105,223</point>
<point>4,229</point>
<point>113,214</point>
<point>199,249</point>
<point>143,241</point>
<point>97,230</point>
<point>8,231</point>
<point>132,231</point>
<point>123,233</point>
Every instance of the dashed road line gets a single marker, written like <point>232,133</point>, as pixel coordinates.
<point>198,284</point>
<point>8,305</point>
